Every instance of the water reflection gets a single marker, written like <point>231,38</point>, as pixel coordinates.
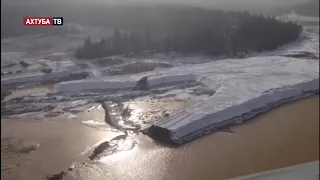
<point>124,149</point>
<point>278,139</point>
<point>129,118</point>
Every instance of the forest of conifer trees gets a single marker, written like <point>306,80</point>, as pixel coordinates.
<point>213,32</point>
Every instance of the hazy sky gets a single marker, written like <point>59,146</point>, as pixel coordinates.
<point>219,3</point>
<point>262,2</point>
<point>228,4</point>
<point>225,4</point>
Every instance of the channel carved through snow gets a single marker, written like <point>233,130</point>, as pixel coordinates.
<point>130,119</point>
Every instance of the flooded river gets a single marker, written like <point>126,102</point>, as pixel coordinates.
<point>285,136</point>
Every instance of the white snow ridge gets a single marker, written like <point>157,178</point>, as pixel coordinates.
<point>122,82</point>
<point>190,124</point>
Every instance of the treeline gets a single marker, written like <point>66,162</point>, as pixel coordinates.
<point>213,32</point>
<point>120,43</point>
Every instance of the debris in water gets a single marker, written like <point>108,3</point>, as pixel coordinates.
<point>228,129</point>
<point>117,144</point>
<point>58,176</point>
<point>71,167</point>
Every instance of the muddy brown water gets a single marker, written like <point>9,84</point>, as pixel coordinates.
<point>286,136</point>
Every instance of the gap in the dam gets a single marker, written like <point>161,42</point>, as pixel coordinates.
<point>130,120</point>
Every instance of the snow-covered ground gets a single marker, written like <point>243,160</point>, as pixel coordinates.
<point>241,88</point>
